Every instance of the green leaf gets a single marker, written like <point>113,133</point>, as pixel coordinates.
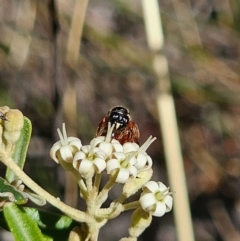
<point>53,225</point>
<point>20,224</point>
<point>20,151</point>
<point>10,193</point>
<point>50,220</point>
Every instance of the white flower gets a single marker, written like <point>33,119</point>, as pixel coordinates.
<point>89,159</point>
<point>107,147</point>
<point>142,160</point>
<point>124,165</point>
<point>107,143</point>
<point>156,198</point>
<point>129,159</point>
<point>65,148</point>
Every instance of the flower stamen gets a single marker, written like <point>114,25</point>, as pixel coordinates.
<point>108,137</point>
<point>63,135</point>
<point>147,143</point>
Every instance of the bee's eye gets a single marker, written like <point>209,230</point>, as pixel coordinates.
<point>115,116</point>
<point>125,120</point>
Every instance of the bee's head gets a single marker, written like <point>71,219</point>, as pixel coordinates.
<point>119,116</point>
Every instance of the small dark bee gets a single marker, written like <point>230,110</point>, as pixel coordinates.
<point>125,129</point>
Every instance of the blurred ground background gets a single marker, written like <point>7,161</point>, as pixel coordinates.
<point>40,75</point>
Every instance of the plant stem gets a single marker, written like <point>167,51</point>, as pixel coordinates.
<point>102,196</point>
<point>97,181</point>
<point>131,205</point>
<point>71,212</point>
<point>80,182</point>
<point>89,184</point>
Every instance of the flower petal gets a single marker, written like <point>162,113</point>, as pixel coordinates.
<point>85,166</point>
<point>133,160</point>
<point>73,141</point>
<point>160,210</point>
<point>133,171</point>
<point>66,153</point>
<point>79,156</point>
<point>119,155</point>
<point>112,164</point>
<point>141,160</point>
<point>117,147</point>
<point>101,154</point>
<point>106,147</point>
<point>168,202</point>
<point>96,141</point>
<point>162,187</point>
<point>130,147</point>
<point>122,176</point>
<point>54,150</point>
<point>100,164</point>
<point>151,186</point>
<point>149,162</point>
<point>86,148</point>
<point>147,200</point>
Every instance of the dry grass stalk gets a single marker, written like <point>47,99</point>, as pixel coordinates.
<point>168,122</point>
<point>75,32</point>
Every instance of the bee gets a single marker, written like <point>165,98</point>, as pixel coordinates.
<point>125,130</point>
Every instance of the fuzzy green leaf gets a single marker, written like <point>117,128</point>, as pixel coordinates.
<point>53,225</point>
<point>20,224</point>
<point>20,151</point>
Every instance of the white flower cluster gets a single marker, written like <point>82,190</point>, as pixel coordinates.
<point>103,153</point>
<point>124,162</point>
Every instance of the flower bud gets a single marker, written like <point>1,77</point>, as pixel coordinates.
<point>139,222</point>
<point>131,187</point>
<point>13,125</point>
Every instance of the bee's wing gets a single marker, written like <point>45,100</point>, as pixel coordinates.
<point>102,127</point>
<point>129,134</point>
<point>135,131</point>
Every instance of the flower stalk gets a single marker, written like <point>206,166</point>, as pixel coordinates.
<point>71,212</point>
<point>104,158</point>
